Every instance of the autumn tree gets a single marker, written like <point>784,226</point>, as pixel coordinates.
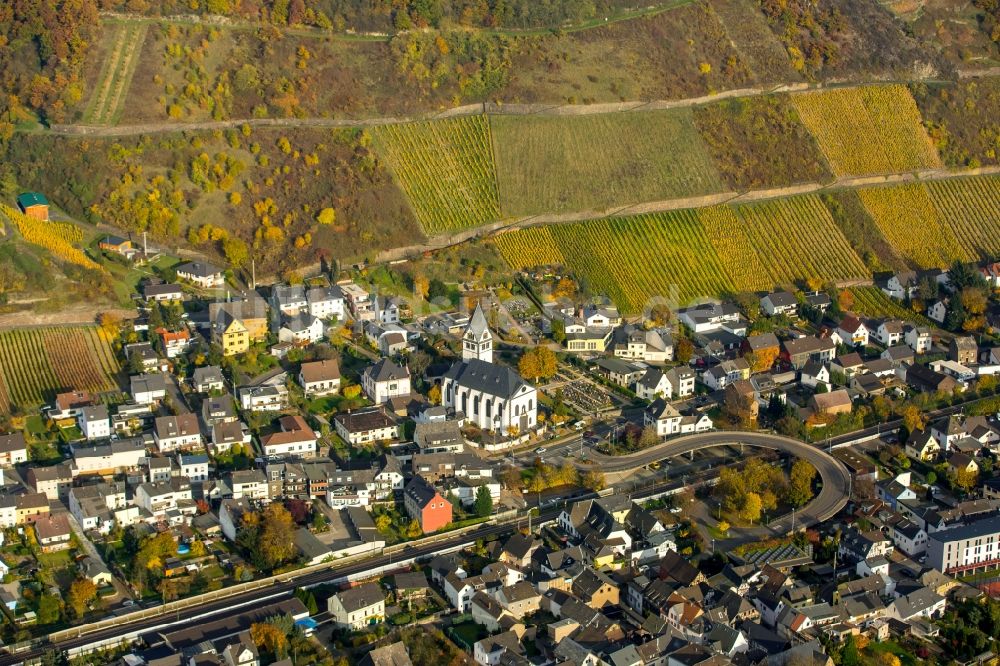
<point>326,216</point>
<point>660,314</point>
<point>434,395</point>
<point>111,322</point>
<point>267,636</point>
<point>421,285</point>
<point>537,363</point>
<point>81,592</point>
<point>383,523</point>
<point>751,509</point>
<point>593,479</point>
<point>649,437</point>
<point>965,478</point>
<point>845,299</point>
<point>683,350</point>
<point>723,527</point>
<point>761,360</point>
<point>275,543</point>
<point>800,484</point>
<point>413,530</point>
<point>913,419</point>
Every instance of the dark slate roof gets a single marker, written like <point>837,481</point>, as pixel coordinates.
<point>359,597</point>
<point>498,380</point>
<point>386,370</point>
<point>199,269</point>
<point>421,491</point>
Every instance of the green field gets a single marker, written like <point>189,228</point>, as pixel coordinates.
<point>598,161</point>
<point>685,255</point>
<point>445,167</point>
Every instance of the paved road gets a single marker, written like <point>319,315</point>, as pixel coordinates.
<point>836,480</point>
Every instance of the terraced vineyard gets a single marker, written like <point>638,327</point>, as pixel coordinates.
<point>867,130</point>
<point>446,169</point>
<point>907,218</point>
<point>37,363</point>
<point>735,248</point>
<point>533,246</point>
<point>694,253</point>
<point>116,73</point>
<point>872,302</point>
<point>56,237</point>
<point>595,162</point>
<point>971,208</point>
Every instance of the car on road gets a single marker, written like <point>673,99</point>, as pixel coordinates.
<point>540,450</point>
<point>128,603</point>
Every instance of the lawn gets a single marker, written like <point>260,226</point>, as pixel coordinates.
<point>467,633</point>
<point>598,161</point>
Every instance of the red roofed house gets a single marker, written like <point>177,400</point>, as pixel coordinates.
<point>294,438</point>
<point>174,342</point>
<point>426,505</point>
<point>69,404</point>
<point>853,332</point>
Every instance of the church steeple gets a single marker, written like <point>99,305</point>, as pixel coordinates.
<point>477,342</point>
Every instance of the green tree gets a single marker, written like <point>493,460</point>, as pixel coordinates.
<point>49,609</point>
<point>484,502</point>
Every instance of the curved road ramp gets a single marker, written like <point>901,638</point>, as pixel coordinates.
<point>832,497</point>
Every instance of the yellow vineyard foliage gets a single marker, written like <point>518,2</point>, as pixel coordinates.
<point>54,237</point>
<point>867,130</point>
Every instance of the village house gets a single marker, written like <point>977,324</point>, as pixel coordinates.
<point>320,377</point>
<point>294,438</point>
<point>963,350</point>
<point>326,303</point>
<point>202,274</point>
<point>366,425</point>
<point>426,505</point>
<point>779,303</point>
<point>918,338</point>
<point>208,379</point>
<point>94,422</point>
<point>34,205</point>
<point>53,533</point>
<point>357,607</point>
<point>385,380</point>
<point>148,389</point>
<point>853,331</point>
<point>13,449</point>
<point>799,351</point>
<point>301,329</point>
<point>174,343</point>
<point>172,433</point>
<point>162,293</point>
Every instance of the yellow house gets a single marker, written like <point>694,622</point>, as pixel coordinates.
<point>232,335</point>
<point>238,324</point>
